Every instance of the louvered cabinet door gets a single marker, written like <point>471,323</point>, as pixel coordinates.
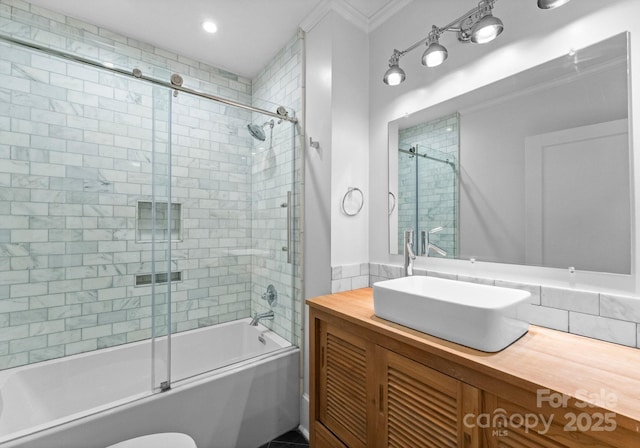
<point>344,397</point>
<point>421,407</point>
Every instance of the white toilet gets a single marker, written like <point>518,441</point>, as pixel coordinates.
<point>160,440</point>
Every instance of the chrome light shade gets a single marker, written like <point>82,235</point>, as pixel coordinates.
<point>486,29</point>
<point>550,4</point>
<point>394,76</point>
<point>434,55</point>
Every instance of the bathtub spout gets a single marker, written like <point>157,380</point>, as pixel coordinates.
<point>262,316</point>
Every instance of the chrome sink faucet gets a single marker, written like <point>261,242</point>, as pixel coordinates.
<point>267,315</point>
<point>409,256</point>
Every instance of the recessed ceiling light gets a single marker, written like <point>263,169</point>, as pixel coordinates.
<point>209,27</point>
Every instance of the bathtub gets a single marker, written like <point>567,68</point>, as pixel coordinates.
<point>248,395</point>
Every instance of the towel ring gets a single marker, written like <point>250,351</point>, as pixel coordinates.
<point>393,206</point>
<point>347,194</point>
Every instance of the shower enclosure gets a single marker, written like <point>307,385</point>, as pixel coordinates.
<point>133,207</point>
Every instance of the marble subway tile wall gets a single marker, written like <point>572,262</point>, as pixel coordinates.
<point>276,163</point>
<point>80,149</point>
<point>348,277</point>
<point>608,317</point>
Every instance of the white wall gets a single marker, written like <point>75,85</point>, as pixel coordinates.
<point>317,243</point>
<point>350,141</point>
<point>337,117</point>
<point>531,37</point>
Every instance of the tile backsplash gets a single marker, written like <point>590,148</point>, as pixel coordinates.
<point>608,317</point>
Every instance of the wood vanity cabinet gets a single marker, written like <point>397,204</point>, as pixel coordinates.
<point>368,396</point>
<point>374,384</point>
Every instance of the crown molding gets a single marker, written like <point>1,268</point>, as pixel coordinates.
<point>386,12</point>
<point>351,14</point>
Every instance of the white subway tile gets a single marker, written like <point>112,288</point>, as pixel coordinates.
<point>64,337</point>
<point>47,353</point>
<point>46,327</point>
<point>64,286</point>
<point>482,281</point>
<point>26,344</point>
<point>80,347</point>
<point>620,307</point>
<point>535,290</point>
<point>66,82</point>
<point>603,328</point>
<point>46,301</point>
<point>545,317</point>
<point>571,300</point>
<point>84,73</point>
<point>47,169</point>
<point>14,166</point>
<point>341,285</point>
<point>442,275</point>
<point>15,83</point>
<point>28,289</point>
<point>29,236</point>
<point>97,331</point>
<point>14,222</point>
<point>10,304</point>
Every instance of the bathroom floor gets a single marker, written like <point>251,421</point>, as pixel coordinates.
<point>291,439</point>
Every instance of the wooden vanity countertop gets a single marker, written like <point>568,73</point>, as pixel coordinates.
<point>561,362</point>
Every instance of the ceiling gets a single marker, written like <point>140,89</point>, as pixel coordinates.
<point>250,32</point>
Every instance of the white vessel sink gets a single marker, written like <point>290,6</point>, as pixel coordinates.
<point>478,316</point>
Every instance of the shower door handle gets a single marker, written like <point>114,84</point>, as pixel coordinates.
<point>287,205</point>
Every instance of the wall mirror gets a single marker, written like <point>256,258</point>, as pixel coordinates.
<point>533,169</point>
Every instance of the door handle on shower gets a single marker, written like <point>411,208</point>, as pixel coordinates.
<point>287,205</point>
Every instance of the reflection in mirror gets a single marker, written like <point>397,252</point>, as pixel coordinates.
<point>428,185</point>
<point>533,169</point>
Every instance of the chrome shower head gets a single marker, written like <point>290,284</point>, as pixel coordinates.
<point>256,132</point>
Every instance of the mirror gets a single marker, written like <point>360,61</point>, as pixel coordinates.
<point>533,169</point>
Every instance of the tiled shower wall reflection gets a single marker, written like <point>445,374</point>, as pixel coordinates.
<point>75,164</point>
<point>428,188</point>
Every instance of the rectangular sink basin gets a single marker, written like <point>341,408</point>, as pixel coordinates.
<point>482,317</point>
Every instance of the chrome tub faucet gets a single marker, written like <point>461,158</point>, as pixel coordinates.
<point>267,315</point>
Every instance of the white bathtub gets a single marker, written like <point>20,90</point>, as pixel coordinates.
<point>249,395</point>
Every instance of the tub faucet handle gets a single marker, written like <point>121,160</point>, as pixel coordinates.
<point>271,295</point>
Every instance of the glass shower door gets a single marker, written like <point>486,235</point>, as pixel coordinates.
<point>235,199</point>
<point>75,174</point>
<point>274,211</point>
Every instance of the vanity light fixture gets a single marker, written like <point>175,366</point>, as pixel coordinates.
<point>478,26</point>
